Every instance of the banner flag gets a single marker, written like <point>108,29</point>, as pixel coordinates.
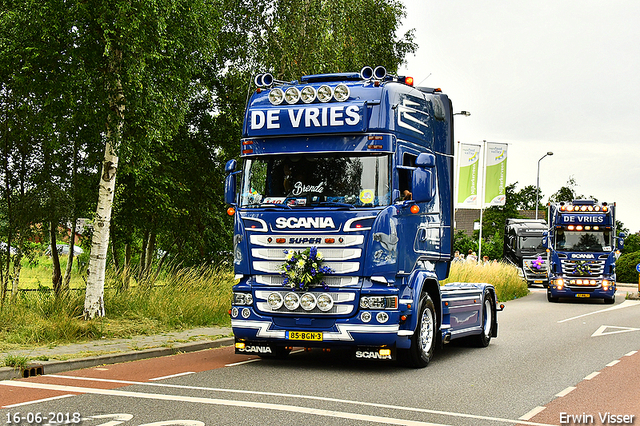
<point>468,168</point>
<point>495,174</point>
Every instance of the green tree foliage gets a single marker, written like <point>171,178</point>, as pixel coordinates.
<point>631,243</point>
<point>626,267</point>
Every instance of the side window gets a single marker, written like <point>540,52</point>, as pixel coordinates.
<point>404,175</point>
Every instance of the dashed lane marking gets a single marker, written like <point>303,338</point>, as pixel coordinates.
<point>566,391</point>
<point>592,375</point>
<point>173,375</point>
<point>243,362</point>
<point>304,397</point>
<point>612,363</point>
<point>53,398</point>
<point>631,353</point>
<point>532,413</point>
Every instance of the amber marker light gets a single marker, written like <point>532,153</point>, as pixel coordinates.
<point>231,211</point>
<point>408,81</point>
<point>415,209</point>
<point>240,345</point>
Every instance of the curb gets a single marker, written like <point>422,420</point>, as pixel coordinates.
<point>53,367</point>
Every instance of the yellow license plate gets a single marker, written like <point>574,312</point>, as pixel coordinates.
<point>305,335</point>
<point>538,282</point>
<point>583,295</point>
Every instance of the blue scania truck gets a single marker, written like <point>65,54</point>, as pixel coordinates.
<point>357,167</point>
<point>582,250</point>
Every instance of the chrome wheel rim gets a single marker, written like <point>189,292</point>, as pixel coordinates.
<point>426,331</point>
<point>488,318</point>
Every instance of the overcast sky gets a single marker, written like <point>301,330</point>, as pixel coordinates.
<point>560,76</point>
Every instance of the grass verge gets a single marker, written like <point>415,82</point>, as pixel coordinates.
<point>504,277</point>
<point>182,299</point>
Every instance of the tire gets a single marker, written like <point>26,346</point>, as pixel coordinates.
<point>488,317</point>
<point>552,299</point>
<point>423,341</point>
<point>610,301</point>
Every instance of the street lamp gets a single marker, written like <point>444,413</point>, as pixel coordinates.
<point>538,181</point>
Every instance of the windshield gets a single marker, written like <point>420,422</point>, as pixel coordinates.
<point>531,242</point>
<point>308,180</point>
<point>585,241</point>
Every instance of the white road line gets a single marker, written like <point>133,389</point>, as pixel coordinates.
<point>592,375</point>
<point>631,353</point>
<point>602,331</point>
<point>243,362</point>
<point>53,398</point>
<point>625,304</point>
<point>226,402</point>
<point>565,392</point>
<point>309,397</point>
<point>532,413</point>
<point>612,363</point>
<point>173,375</point>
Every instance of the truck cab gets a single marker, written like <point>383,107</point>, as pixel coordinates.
<point>348,177</point>
<point>582,250</point>
<point>523,248</point>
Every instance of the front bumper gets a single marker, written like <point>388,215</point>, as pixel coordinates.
<point>588,292</point>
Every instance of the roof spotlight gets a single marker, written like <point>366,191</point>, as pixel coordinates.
<point>380,72</point>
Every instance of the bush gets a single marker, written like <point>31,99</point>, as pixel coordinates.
<point>504,277</point>
<point>626,267</point>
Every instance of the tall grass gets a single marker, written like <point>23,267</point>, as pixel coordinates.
<point>504,277</point>
<point>181,298</point>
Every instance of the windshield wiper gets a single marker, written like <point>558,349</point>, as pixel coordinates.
<point>335,204</point>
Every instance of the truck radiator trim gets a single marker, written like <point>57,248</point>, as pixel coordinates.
<point>330,281</point>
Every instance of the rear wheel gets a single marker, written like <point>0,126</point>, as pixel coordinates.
<point>488,314</point>
<point>423,341</point>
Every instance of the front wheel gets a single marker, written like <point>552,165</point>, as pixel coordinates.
<point>423,341</point>
<point>610,301</point>
<point>551,298</point>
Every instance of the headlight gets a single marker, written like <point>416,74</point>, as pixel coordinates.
<point>291,301</point>
<point>292,95</point>
<point>325,302</point>
<point>276,96</point>
<point>379,302</point>
<point>308,94</point>
<point>275,301</point>
<point>382,317</point>
<point>242,299</point>
<point>308,301</point>
<point>325,93</point>
<point>341,92</point>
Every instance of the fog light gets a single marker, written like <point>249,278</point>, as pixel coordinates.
<point>325,302</point>
<point>275,301</point>
<point>341,92</point>
<point>559,283</point>
<point>240,345</point>
<point>276,96</point>
<point>308,301</point>
<point>291,301</point>
<point>365,316</point>
<point>382,317</point>
<point>234,312</point>
<point>385,352</point>
<point>246,313</point>
<point>325,93</point>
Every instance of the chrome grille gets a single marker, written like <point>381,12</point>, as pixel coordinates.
<point>583,268</point>
<point>329,280</point>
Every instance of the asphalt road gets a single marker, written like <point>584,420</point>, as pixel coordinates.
<point>548,359</point>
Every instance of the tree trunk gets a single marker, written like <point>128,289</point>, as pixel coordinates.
<point>67,273</point>
<point>127,266</point>
<point>56,277</point>
<point>17,267</point>
<point>151,248</point>
<point>143,257</point>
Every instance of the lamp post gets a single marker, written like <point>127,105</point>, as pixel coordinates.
<point>538,181</point>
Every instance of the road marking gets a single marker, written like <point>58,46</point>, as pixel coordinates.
<point>602,330</point>
<point>226,402</point>
<point>309,397</point>
<point>631,353</point>
<point>53,398</point>
<point>592,375</point>
<point>243,362</point>
<point>625,304</point>
<point>532,413</point>
<point>173,375</point>
<point>612,363</point>
<point>565,392</point>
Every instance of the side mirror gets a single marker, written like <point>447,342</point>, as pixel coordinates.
<point>424,182</point>
<point>545,239</point>
<point>230,182</point>
<point>621,238</point>
<point>426,160</point>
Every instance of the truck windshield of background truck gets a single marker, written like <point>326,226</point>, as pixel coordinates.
<point>531,242</point>
<point>583,241</point>
<point>317,180</point>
